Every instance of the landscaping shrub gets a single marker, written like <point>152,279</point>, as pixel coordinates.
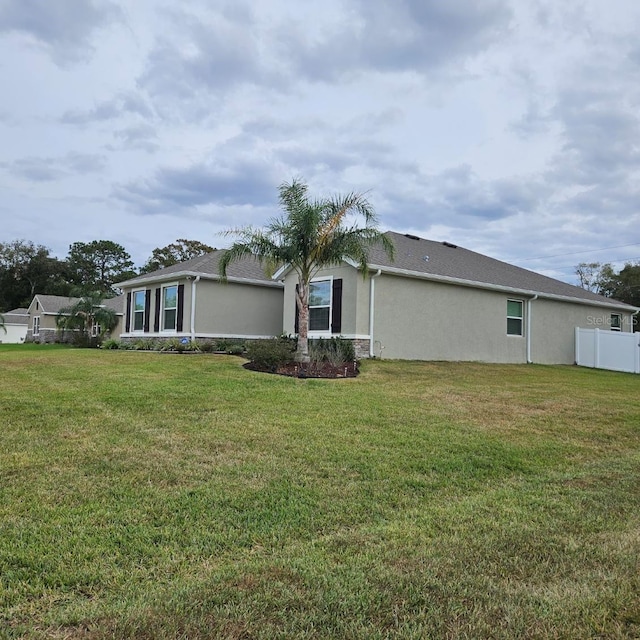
<point>111,344</point>
<point>335,351</point>
<point>233,347</point>
<point>180,345</point>
<point>144,344</point>
<point>207,346</point>
<point>271,353</point>
<point>84,341</point>
<point>236,349</point>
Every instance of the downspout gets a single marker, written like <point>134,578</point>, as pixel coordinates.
<point>372,292</point>
<point>528,328</point>
<point>193,307</point>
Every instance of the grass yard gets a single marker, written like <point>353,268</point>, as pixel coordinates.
<point>147,495</point>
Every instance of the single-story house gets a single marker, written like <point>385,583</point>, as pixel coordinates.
<point>190,299</point>
<point>15,324</point>
<point>44,309</point>
<point>439,301</point>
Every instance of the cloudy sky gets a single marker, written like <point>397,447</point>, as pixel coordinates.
<point>510,127</point>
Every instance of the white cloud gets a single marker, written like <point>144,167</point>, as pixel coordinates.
<point>507,127</point>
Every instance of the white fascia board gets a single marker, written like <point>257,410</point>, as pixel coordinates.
<point>177,275</point>
<point>281,272</point>
<point>35,299</point>
<point>620,306</point>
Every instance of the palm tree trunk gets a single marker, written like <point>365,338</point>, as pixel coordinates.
<point>302,302</point>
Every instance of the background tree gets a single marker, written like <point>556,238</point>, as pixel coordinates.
<point>89,318</point>
<point>95,266</point>
<point>310,235</point>
<point>623,285</point>
<point>174,253</point>
<point>589,275</point>
<point>27,269</point>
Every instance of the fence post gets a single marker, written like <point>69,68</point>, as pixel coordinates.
<point>577,342</point>
<point>638,352</point>
<point>596,348</point>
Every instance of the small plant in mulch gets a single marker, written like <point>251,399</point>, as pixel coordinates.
<point>179,345</point>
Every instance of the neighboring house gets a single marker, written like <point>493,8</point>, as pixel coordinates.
<point>190,300</point>
<point>15,323</point>
<point>438,301</point>
<point>43,312</point>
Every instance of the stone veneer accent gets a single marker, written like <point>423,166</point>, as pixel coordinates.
<point>361,348</point>
<point>48,336</point>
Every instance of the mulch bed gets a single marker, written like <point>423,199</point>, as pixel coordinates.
<point>309,370</point>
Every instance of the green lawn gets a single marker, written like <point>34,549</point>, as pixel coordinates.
<point>147,495</point>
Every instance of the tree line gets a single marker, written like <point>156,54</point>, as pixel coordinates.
<point>90,268</point>
<point>602,278</point>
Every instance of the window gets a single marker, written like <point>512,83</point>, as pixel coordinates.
<point>514,317</point>
<point>169,307</point>
<point>139,300</point>
<point>36,325</point>
<point>320,305</point>
<point>95,330</point>
<point>616,322</point>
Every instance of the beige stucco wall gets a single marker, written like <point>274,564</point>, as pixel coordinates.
<point>417,319</point>
<point>221,309</point>
<point>233,309</point>
<point>422,320</point>
<point>553,326</point>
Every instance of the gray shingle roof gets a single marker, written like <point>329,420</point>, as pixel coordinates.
<point>53,304</point>
<point>247,268</point>
<point>117,303</point>
<point>16,316</point>
<point>448,261</point>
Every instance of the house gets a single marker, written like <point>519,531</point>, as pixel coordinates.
<point>439,301</point>
<point>44,309</point>
<point>191,300</point>
<point>15,324</point>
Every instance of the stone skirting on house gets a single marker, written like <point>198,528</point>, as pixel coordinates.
<point>361,345</point>
<point>361,348</point>
<point>47,336</point>
<point>51,336</point>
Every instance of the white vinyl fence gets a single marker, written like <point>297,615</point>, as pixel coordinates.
<point>615,350</point>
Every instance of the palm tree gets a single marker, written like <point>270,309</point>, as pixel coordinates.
<point>310,235</point>
<point>89,317</point>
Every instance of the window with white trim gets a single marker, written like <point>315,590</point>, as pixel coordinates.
<point>169,307</point>
<point>95,330</point>
<point>515,316</point>
<point>138,308</point>
<point>616,322</point>
<point>36,325</point>
<point>320,305</point>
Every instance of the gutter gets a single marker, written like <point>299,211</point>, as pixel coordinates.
<point>528,328</point>
<point>372,293</point>
<point>193,307</point>
<point>621,306</point>
<point>176,275</point>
